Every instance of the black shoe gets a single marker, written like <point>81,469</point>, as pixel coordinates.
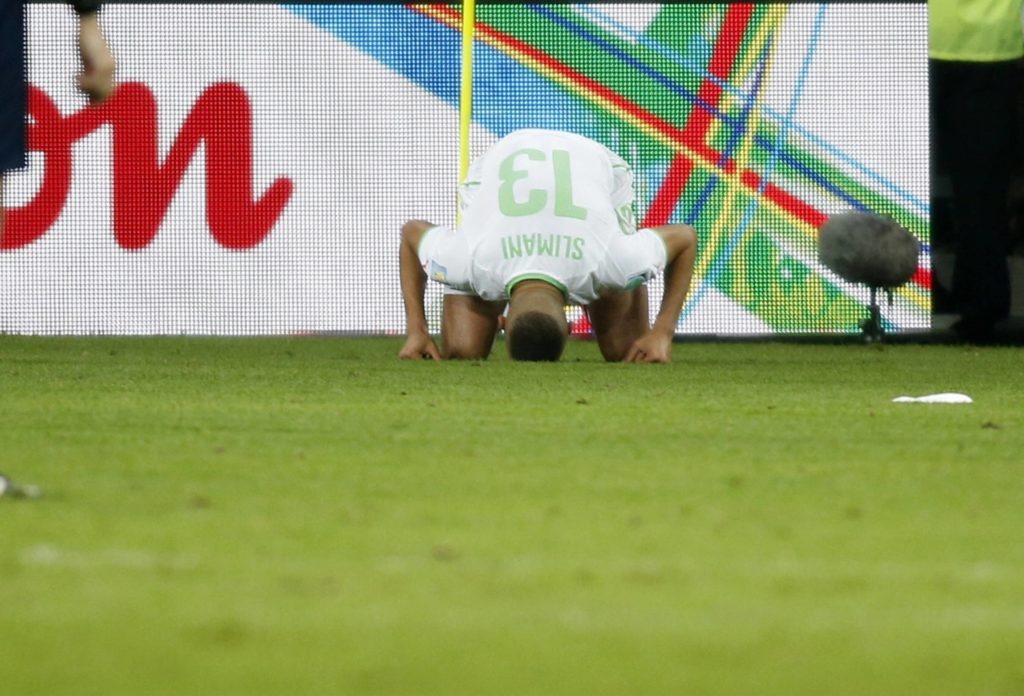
<point>975,331</point>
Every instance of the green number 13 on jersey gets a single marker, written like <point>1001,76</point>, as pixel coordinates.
<point>537,198</point>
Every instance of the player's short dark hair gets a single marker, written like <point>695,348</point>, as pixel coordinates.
<point>536,336</point>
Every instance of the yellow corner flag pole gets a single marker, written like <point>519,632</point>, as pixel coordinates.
<point>466,90</point>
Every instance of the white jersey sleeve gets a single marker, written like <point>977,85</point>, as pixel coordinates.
<point>445,256</point>
<point>633,259</point>
<point>622,193</point>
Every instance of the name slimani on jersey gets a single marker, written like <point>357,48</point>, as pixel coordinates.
<point>544,205</point>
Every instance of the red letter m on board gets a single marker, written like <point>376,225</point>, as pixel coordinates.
<point>143,188</point>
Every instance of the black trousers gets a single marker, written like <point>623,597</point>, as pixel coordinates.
<point>974,115</point>
<point>12,85</point>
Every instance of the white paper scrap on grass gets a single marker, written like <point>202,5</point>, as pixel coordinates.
<point>944,398</point>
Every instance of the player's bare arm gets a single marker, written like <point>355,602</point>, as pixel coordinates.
<point>418,342</point>
<point>97,76</point>
<point>655,346</point>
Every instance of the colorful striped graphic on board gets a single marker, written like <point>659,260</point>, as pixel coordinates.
<point>723,111</point>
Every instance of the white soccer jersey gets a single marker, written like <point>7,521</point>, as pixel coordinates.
<point>549,206</point>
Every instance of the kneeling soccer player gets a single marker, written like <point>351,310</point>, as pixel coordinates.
<point>547,219</point>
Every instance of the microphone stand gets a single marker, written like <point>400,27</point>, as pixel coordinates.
<point>872,326</point>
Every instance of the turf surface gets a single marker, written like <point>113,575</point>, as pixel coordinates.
<point>312,516</point>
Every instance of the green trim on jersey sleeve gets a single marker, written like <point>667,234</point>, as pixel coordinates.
<point>636,282</point>
<point>516,280</point>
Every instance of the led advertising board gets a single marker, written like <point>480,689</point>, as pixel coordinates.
<point>252,172</point>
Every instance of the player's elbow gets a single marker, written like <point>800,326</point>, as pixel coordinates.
<point>413,231</point>
<point>687,238</point>
<point>681,241</point>
<point>465,352</point>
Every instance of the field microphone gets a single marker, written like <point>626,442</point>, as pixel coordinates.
<point>870,249</point>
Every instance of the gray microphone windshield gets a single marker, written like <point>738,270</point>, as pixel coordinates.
<point>867,248</point>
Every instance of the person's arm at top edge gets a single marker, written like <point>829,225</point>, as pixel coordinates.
<point>418,342</point>
<point>98,65</point>
<point>681,251</point>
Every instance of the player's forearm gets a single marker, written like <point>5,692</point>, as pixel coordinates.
<point>98,64</point>
<point>91,39</point>
<point>414,285</point>
<point>681,243</point>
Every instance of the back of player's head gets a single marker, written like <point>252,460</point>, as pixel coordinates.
<point>535,336</point>
<point>535,328</point>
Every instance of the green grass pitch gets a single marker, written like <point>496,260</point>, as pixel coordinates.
<point>312,516</point>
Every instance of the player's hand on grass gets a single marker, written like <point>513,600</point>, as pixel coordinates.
<point>97,76</point>
<point>652,347</point>
<point>419,345</point>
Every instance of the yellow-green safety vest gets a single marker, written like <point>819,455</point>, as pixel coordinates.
<point>975,30</point>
